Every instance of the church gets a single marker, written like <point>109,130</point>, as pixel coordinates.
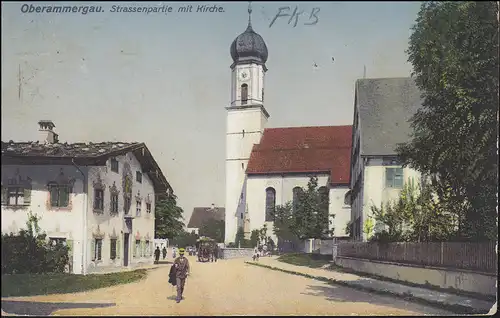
<point>266,167</point>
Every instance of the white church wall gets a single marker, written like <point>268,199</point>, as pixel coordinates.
<point>283,185</point>
<point>374,188</point>
<point>254,79</point>
<point>55,222</point>
<point>341,210</point>
<point>114,225</point>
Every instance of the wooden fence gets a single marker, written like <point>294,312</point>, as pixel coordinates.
<point>480,256</point>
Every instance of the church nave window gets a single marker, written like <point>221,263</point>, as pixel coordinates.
<point>270,203</point>
<point>244,94</point>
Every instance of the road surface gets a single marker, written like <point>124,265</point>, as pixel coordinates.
<point>228,287</point>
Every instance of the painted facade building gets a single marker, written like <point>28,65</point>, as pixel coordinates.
<point>382,109</point>
<point>99,198</point>
<point>265,166</point>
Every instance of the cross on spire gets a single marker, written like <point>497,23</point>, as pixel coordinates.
<point>249,14</point>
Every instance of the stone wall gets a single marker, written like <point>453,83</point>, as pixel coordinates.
<point>229,253</point>
<point>440,277</point>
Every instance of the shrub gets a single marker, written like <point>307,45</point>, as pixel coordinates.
<point>29,252</point>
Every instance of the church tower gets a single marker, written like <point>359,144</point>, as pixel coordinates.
<point>246,119</point>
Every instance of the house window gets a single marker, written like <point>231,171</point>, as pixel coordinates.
<point>114,165</point>
<point>394,178</point>
<point>98,199</point>
<point>296,197</point>
<point>244,94</point>
<point>98,249</point>
<point>138,176</point>
<point>138,208</point>
<point>137,248</point>
<point>59,195</point>
<point>270,203</point>
<point>241,215</point>
<point>114,203</point>
<point>15,196</point>
<point>148,207</point>
<point>112,249</point>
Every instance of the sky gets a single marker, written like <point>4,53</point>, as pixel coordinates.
<point>164,78</point>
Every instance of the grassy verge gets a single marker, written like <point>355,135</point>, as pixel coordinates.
<point>308,260</point>
<point>16,285</point>
<point>456,308</point>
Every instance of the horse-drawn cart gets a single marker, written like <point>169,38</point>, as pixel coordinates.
<point>206,248</point>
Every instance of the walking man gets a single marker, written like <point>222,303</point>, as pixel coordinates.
<point>181,272</point>
<point>157,254</point>
<point>164,252</point>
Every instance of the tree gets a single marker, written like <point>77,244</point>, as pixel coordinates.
<point>184,239</point>
<point>214,229</point>
<point>168,217</point>
<point>416,216</point>
<point>312,218</point>
<point>308,218</point>
<point>240,240</point>
<point>254,238</point>
<point>454,52</point>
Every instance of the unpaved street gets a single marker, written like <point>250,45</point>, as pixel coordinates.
<point>223,288</point>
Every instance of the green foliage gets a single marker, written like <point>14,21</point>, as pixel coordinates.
<point>29,251</point>
<point>254,237</point>
<point>58,283</point>
<point>415,217</point>
<point>184,239</point>
<point>308,260</point>
<point>454,52</point>
<point>168,217</point>
<point>214,229</point>
<point>368,227</point>
<point>309,219</point>
<point>240,240</point>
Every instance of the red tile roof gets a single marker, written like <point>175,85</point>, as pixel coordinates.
<point>304,150</point>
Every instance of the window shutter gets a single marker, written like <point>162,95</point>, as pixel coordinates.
<point>64,193</point>
<point>54,195</point>
<point>27,196</point>
<point>5,195</point>
<point>92,249</point>
<point>118,248</point>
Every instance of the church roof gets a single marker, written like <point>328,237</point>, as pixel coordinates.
<point>385,105</point>
<point>325,149</point>
<point>201,215</point>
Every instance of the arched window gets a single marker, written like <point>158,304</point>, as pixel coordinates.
<point>244,94</point>
<point>296,198</point>
<point>347,198</point>
<point>324,197</point>
<point>270,203</point>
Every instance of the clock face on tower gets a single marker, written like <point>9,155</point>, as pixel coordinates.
<point>244,76</point>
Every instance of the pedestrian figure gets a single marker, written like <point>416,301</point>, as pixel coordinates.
<point>164,252</point>
<point>255,254</point>
<point>157,254</point>
<point>181,272</point>
<point>216,253</point>
<point>174,250</point>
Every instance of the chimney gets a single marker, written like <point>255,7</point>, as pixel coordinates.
<point>46,134</point>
